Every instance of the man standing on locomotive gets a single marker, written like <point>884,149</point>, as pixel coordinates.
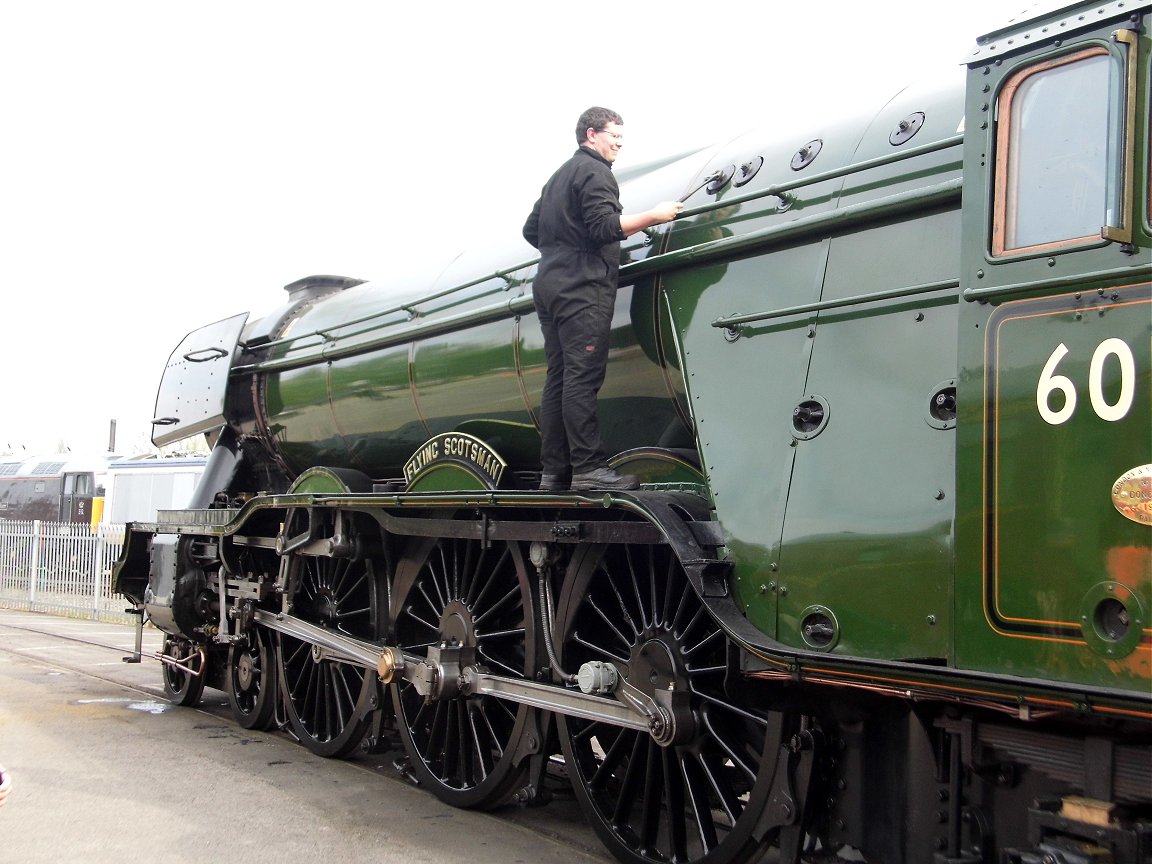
<point>577,224</point>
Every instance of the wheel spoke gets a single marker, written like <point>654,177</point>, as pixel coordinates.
<point>500,664</point>
<point>678,793</point>
<point>651,607</point>
<point>613,758</point>
<point>599,649</point>
<point>711,777</point>
<point>653,785</point>
<point>624,640</point>
<point>503,601</point>
<point>714,636</point>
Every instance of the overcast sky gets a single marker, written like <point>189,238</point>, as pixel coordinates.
<point>165,165</point>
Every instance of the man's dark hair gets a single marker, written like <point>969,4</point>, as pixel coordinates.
<point>595,118</point>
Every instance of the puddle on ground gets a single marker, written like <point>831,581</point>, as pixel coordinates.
<point>148,706</point>
<point>111,700</point>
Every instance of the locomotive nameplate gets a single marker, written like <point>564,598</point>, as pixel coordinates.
<point>1132,494</point>
<point>459,450</point>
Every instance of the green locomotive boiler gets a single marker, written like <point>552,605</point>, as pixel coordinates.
<point>885,592</point>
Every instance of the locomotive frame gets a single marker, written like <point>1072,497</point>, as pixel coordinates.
<point>918,630</point>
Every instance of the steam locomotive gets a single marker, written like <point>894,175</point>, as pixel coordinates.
<point>884,592</point>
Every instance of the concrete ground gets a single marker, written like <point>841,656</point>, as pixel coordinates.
<point>104,770</point>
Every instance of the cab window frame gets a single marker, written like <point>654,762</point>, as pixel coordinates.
<point>1005,186</point>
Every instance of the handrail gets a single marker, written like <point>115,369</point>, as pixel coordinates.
<point>407,307</point>
<point>732,322</point>
<point>892,204</point>
<point>494,312</point>
<point>774,190</point>
<point>1070,281</point>
<point>831,174</point>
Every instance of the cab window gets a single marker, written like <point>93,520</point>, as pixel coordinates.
<point>77,484</point>
<point>1057,153</point>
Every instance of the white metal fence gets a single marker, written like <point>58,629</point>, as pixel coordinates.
<point>60,567</point>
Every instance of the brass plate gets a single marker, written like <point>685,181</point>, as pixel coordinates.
<point>1132,494</point>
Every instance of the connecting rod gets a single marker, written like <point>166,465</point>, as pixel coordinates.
<point>429,678</point>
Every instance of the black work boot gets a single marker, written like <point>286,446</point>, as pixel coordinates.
<point>603,478</point>
<point>553,482</point>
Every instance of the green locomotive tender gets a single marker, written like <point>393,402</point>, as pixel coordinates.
<point>886,588</point>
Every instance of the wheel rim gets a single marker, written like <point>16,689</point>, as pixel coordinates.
<point>695,801</point>
<point>182,687</point>
<point>252,689</point>
<point>467,750</point>
<point>329,703</point>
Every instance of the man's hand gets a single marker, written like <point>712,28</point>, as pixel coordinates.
<point>666,211</point>
<point>661,213</point>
